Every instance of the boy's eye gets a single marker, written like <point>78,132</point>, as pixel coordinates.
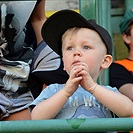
<point>86,47</point>
<point>69,48</point>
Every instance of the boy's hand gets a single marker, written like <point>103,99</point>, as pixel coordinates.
<point>73,81</point>
<point>86,82</point>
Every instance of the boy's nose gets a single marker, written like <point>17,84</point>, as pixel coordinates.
<point>77,53</point>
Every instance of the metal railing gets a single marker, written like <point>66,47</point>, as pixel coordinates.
<point>67,125</point>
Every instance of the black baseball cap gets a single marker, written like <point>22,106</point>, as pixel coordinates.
<point>59,22</point>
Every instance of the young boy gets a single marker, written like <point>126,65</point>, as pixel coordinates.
<point>86,50</point>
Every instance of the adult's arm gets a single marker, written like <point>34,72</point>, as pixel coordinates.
<point>38,18</point>
<point>127,89</point>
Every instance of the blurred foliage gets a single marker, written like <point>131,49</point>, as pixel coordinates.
<point>120,49</point>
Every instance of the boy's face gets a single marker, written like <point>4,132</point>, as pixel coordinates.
<point>86,46</point>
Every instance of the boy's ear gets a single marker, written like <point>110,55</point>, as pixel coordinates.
<point>107,61</point>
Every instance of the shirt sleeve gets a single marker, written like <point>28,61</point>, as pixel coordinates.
<point>119,75</point>
<point>45,94</point>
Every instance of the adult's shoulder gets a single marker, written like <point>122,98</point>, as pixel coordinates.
<point>117,67</point>
<point>119,75</point>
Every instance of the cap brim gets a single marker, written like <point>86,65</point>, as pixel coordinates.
<point>58,23</point>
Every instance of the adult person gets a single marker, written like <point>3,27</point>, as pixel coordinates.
<point>86,49</point>
<point>47,66</point>
<point>15,57</point>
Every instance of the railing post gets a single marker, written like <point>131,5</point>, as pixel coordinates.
<point>87,8</point>
<point>128,4</point>
<point>100,11</point>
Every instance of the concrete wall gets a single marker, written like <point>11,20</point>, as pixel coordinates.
<point>52,5</point>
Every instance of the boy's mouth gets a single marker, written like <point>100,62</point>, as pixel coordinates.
<point>76,62</point>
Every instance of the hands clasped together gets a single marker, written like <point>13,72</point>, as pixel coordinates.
<point>79,75</point>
